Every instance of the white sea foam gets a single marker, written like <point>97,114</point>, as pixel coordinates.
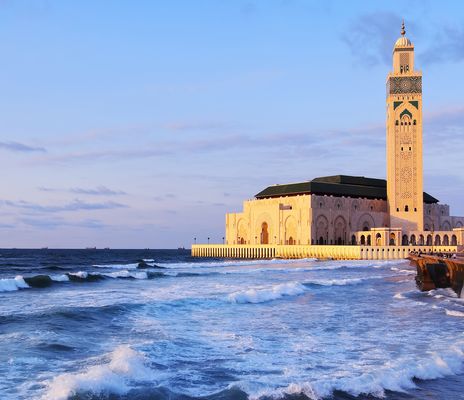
<point>11,284</point>
<point>440,293</point>
<point>404,271</point>
<point>59,278</point>
<point>454,313</point>
<point>261,295</point>
<point>236,263</point>
<point>80,274</point>
<point>125,365</point>
<point>117,266</point>
<point>337,282</point>
<point>393,376</point>
<point>398,296</point>
<point>126,274</point>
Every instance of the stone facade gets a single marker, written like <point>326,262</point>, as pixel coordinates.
<point>331,220</point>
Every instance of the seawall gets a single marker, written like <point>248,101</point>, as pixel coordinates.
<point>314,251</point>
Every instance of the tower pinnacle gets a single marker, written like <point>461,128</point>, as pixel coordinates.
<point>403,30</point>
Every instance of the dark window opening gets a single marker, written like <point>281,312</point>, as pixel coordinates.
<point>406,208</point>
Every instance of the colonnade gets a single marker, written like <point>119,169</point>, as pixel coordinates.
<point>313,251</point>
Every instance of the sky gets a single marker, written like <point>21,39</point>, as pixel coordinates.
<point>139,124</point>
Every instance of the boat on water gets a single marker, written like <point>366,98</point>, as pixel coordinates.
<point>442,271</point>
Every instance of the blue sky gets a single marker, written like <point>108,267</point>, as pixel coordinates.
<point>141,123</point>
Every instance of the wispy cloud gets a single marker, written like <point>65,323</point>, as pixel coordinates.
<point>448,45</point>
<point>198,126</point>
<point>370,37</point>
<point>98,191</point>
<point>53,223</point>
<point>21,147</point>
<point>75,205</point>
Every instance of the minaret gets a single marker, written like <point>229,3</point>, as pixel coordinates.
<point>404,139</point>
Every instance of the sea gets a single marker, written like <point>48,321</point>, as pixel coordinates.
<point>159,324</point>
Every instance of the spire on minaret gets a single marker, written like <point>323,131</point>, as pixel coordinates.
<point>403,30</point>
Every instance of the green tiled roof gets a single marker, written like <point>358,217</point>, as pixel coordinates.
<point>337,185</point>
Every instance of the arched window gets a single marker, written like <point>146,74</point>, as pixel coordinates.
<point>437,240</point>
<point>363,240</point>
<point>406,208</point>
<point>445,240</point>
<point>353,240</point>
<point>454,240</point>
<point>392,239</point>
<point>412,240</point>
<point>368,240</point>
<point>421,240</point>
<point>429,240</point>
<point>404,240</point>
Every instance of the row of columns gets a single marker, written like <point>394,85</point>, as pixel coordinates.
<point>233,252</point>
<point>308,251</point>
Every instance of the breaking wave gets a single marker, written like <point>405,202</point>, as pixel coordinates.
<point>12,284</point>
<point>394,376</point>
<point>114,377</point>
<point>454,313</point>
<point>261,295</point>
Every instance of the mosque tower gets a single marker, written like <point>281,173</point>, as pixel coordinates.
<point>404,139</point>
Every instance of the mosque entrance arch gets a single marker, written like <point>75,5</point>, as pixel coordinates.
<point>322,229</point>
<point>339,230</point>
<point>264,233</point>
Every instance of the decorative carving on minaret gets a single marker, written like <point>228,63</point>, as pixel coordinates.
<point>404,85</point>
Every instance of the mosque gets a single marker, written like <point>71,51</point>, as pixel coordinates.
<point>355,211</point>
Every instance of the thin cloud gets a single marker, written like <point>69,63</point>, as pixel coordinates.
<point>21,147</point>
<point>98,191</point>
<point>448,46</point>
<point>197,126</point>
<point>370,37</point>
<point>53,223</point>
<point>75,205</point>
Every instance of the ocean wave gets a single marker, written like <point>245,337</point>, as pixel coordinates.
<point>125,366</point>
<point>404,271</point>
<point>454,313</point>
<point>12,284</point>
<point>236,263</point>
<point>43,281</point>
<point>117,266</point>
<point>261,295</point>
<point>395,376</point>
<point>336,282</point>
<point>126,274</point>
